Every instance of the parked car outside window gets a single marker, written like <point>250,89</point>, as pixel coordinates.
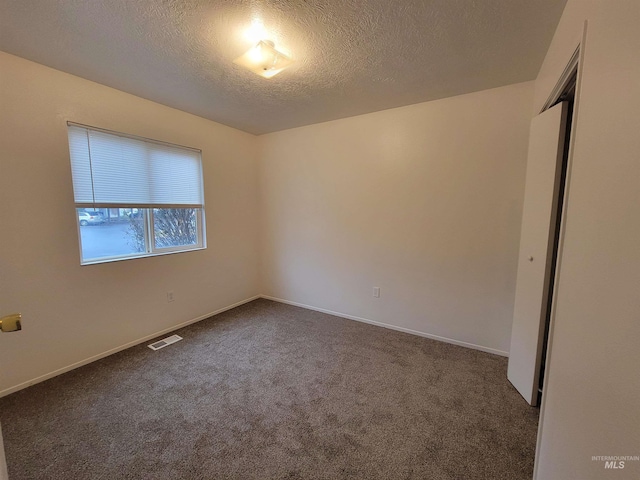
<point>90,218</point>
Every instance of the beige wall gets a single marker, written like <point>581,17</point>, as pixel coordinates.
<point>591,404</point>
<point>72,313</point>
<point>422,201</point>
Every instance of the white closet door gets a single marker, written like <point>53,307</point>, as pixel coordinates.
<point>544,166</point>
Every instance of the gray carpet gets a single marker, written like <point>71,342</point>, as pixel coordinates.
<point>270,391</point>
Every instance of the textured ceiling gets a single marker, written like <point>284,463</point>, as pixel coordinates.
<point>352,56</point>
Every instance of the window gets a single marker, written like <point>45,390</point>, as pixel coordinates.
<point>134,197</point>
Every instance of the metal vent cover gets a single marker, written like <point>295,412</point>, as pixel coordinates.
<point>164,342</point>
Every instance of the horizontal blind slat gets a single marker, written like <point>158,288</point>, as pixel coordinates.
<point>128,206</point>
<point>80,165</point>
<point>113,169</point>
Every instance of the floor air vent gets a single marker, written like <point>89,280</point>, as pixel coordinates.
<point>164,342</point>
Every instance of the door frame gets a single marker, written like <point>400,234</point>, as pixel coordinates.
<point>575,66</point>
<point>4,475</point>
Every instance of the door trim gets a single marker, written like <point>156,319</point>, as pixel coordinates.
<point>563,81</point>
<point>579,54</point>
<point>4,475</point>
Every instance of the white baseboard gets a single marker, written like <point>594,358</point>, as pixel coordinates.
<point>392,327</point>
<point>73,366</point>
<point>81,363</point>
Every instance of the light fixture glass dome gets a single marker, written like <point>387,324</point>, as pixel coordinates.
<point>264,59</point>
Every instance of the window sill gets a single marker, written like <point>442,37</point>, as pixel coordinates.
<point>138,255</point>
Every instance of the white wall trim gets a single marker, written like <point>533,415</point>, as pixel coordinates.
<point>561,84</point>
<point>81,363</point>
<point>391,327</point>
<point>560,253</point>
<point>86,361</point>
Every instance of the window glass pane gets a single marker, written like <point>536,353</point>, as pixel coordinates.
<point>137,220</point>
<point>104,234</point>
<point>174,227</point>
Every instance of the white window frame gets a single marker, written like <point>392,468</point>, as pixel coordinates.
<point>147,211</point>
<point>181,248</point>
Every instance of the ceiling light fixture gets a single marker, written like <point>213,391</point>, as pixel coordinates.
<point>264,59</point>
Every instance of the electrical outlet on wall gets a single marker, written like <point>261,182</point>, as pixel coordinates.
<point>376,292</point>
<point>169,296</point>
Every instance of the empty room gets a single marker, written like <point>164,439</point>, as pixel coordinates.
<point>352,239</point>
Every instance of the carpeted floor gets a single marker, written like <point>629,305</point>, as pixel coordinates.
<point>271,391</point>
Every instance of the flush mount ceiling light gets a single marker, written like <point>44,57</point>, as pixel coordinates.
<point>264,59</point>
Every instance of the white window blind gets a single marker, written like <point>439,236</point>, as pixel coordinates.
<point>111,169</point>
